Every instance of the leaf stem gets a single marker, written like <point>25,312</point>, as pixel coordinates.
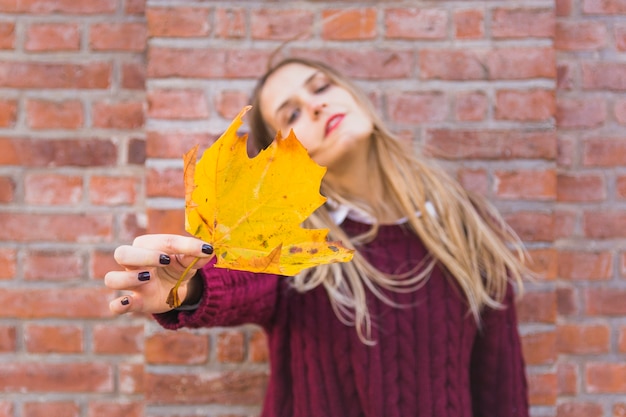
<point>172,299</point>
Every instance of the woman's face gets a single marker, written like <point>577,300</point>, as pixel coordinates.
<point>325,117</point>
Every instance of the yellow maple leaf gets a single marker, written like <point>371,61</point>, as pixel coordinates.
<point>251,209</point>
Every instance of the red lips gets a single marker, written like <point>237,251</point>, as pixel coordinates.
<point>332,123</point>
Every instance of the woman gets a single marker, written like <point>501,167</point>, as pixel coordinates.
<point>421,322</point>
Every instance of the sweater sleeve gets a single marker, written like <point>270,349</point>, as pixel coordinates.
<point>497,374</point>
<point>230,298</point>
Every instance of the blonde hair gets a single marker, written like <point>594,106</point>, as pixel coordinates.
<point>467,236</point>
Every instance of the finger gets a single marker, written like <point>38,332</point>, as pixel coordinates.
<point>133,256</point>
<point>125,304</point>
<point>175,244</point>
<point>126,280</point>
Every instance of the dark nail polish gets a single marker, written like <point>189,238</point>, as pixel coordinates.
<point>164,260</point>
<point>143,276</point>
<point>125,301</point>
<point>208,249</point>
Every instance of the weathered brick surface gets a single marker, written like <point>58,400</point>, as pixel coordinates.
<point>100,98</point>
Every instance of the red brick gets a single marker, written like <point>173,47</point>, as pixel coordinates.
<point>53,265</point>
<point>178,22</point>
<point>118,115</point>
<point>166,221</point>
<point>567,145</point>
<point>620,188</point>
<point>365,63</point>
<point>92,75</point>
<point>6,409</point>
<point>567,301</point>
<point>493,64</point>
<point>471,106</point>
<point>475,180</point>
<point>117,340</point>
<point>527,105</point>
<point>583,339</point>
<point>53,339</point>
<point>532,226</point>
<point>417,107</point>
<point>26,377</point>
<point>542,389</point>
<point>7,189</point>
<point>277,24</point>
<point>131,378</point>
<point>225,388</point>
<point>621,341</point>
<point>134,74</point>
<point>604,7</point>
<point>566,78</point>
<point>525,184</point>
<point>45,114</point>
<point>57,152</point>
<point>51,408</point>
<point>619,33</point>
<point>537,307</point>
<point>45,37</point>
<point>136,153</point>
<point>578,265</point>
<point>623,264</point>
<point>166,182</point>
<point>101,262</point>
<point>78,7</point>
<point>604,224</point>
<point>604,152</point>
<point>522,23</point>
<point>349,24</point>
<point>7,35</point>
<point>230,23</point>
<point>606,378</point>
<point>605,301</point>
<point>579,409</point>
<point>563,7</point>
<point>118,409</point>
<point>619,410</point>
<point>619,110</point>
<point>604,76</point>
<point>543,263</point>
<point>416,23</point>
<point>131,226</point>
<point>230,346</point>
<point>113,191</point>
<point>8,113</point>
<point>469,24</point>
<point>118,37</point>
<point>177,348</point>
<point>581,187</point>
<point>567,374</point>
<point>229,103</point>
<point>258,349</point>
<point>8,339</point>
<point>177,104</point>
<point>585,112</point>
<point>50,189</point>
<point>580,36</point>
<point>8,263</point>
<point>70,303</point>
<point>137,7</point>
<point>164,144</point>
<point>539,348</point>
<point>56,227</point>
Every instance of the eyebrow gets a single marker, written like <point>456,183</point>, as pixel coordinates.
<point>286,102</point>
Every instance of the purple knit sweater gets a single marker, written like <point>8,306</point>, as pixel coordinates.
<point>429,360</point>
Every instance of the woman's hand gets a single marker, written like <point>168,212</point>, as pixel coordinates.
<point>152,266</point>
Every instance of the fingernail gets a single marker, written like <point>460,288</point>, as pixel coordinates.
<point>208,249</point>
<point>164,260</point>
<point>143,276</point>
<point>125,301</point>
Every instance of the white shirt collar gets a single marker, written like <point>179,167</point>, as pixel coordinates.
<point>340,213</point>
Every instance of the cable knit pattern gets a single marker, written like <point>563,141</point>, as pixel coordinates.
<point>429,359</point>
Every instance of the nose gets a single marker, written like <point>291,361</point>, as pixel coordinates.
<point>316,107</point>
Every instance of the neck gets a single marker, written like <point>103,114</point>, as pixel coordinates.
<point>361,181</point>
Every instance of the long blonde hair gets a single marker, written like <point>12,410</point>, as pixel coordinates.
<point>467,236</point>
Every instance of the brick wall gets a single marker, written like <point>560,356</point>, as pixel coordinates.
<point>523,101</point>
